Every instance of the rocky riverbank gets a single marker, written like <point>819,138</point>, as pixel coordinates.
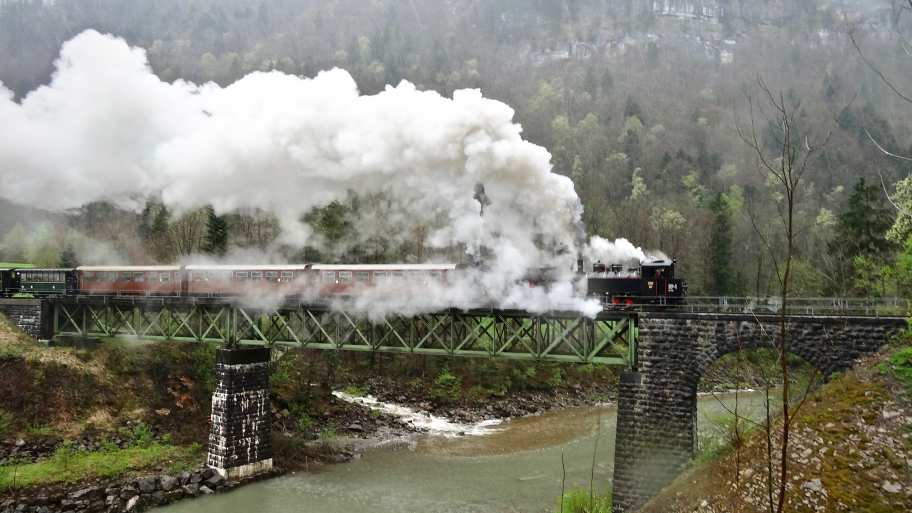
<point>469,409</point>
<point>132,494</point>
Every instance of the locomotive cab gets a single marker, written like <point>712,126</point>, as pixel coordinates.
<point>653,282</point>
<point>658,284</point>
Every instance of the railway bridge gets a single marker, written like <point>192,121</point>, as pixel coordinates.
<point>663,355</point>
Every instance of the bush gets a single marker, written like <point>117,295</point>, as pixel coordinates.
<point>900,366</point>
<point>142,436</point>
<point>300,414</point>
<point>447,387</point>
<point>328,433</point>
<point>578,501</point>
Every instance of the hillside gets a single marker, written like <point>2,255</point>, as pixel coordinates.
<point>638,101</point>
<point>852,451</point>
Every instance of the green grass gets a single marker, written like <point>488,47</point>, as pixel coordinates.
<point>355,391</point>
<point>7,265</point>
<point>900,366</point>
<point>68,466</point>
<point>578,501</point>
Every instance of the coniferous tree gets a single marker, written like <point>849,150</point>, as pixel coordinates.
<point>860,242</point>
<point>68,257</point>
<point>216,233</point>
<point>721,276</point>
<point>861,229</point>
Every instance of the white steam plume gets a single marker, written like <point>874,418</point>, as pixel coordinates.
<point>621,251</point>
<point>106,127</point>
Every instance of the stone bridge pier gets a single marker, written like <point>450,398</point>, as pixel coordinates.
<point>657,402</point>
<point>240,435</point>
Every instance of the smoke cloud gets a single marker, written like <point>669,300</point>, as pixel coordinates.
<point>621,251</point>
<point>106,127</point>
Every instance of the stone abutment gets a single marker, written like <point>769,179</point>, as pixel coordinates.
<point>29,315</point>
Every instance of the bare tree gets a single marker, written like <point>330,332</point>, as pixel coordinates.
<point>188,233</point>
<point>784,157</point>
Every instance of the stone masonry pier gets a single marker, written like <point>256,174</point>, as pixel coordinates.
<point>657,401</point>
<point>240,438</point>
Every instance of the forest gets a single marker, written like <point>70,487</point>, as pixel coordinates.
<point>662,112</point>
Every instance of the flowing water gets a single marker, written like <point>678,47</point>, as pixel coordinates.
<point>511,467</point>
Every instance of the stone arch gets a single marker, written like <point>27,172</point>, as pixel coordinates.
<point>655,430</point>
<point>746,336</point>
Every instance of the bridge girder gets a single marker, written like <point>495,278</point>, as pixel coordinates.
<point>608,339</point>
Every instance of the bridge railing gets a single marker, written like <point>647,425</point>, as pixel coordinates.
<point>869,307</point>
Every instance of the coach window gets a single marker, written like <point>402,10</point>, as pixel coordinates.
<point>271,275</point>
<point>164,277</point>
<point>139,277</point>
<point>397,275</point>
<point>362,276</point>
<point>256,275</point>
<point>89,276</point>
<point>125,277</point>
<point>329,276</point>
<point>178,275</point>
<point>345,277</point>
<point>379,276</point>
<point>287,275</point>
<point>241,276</point>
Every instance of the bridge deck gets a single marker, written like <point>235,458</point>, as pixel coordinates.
<point>610,338</point>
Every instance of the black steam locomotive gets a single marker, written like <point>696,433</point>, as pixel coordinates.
<point>652,283</point>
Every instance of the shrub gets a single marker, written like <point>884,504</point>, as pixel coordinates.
<point>447,387</point>
<point>900,366</point>
<point>328,433</point>
<point>142,436</point>
<point>301,416</point>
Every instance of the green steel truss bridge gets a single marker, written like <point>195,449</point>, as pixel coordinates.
<point>608,339</point>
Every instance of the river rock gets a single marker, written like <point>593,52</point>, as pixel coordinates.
<point>354,426</point>
<point>215,481</point>
<point>128,491</point>
<point>168,483</point>
<point>86,493</point>
<point>205,490</point>
<point>196,477</point>
<point>146,484</point>
<point>131,504</point>
<point>191,489</point>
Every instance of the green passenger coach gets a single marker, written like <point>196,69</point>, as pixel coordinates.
<point>45,282</point>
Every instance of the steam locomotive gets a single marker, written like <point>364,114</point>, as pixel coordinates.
<point>652,283</point>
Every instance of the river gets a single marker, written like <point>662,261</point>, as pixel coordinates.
<point>516,467</point>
